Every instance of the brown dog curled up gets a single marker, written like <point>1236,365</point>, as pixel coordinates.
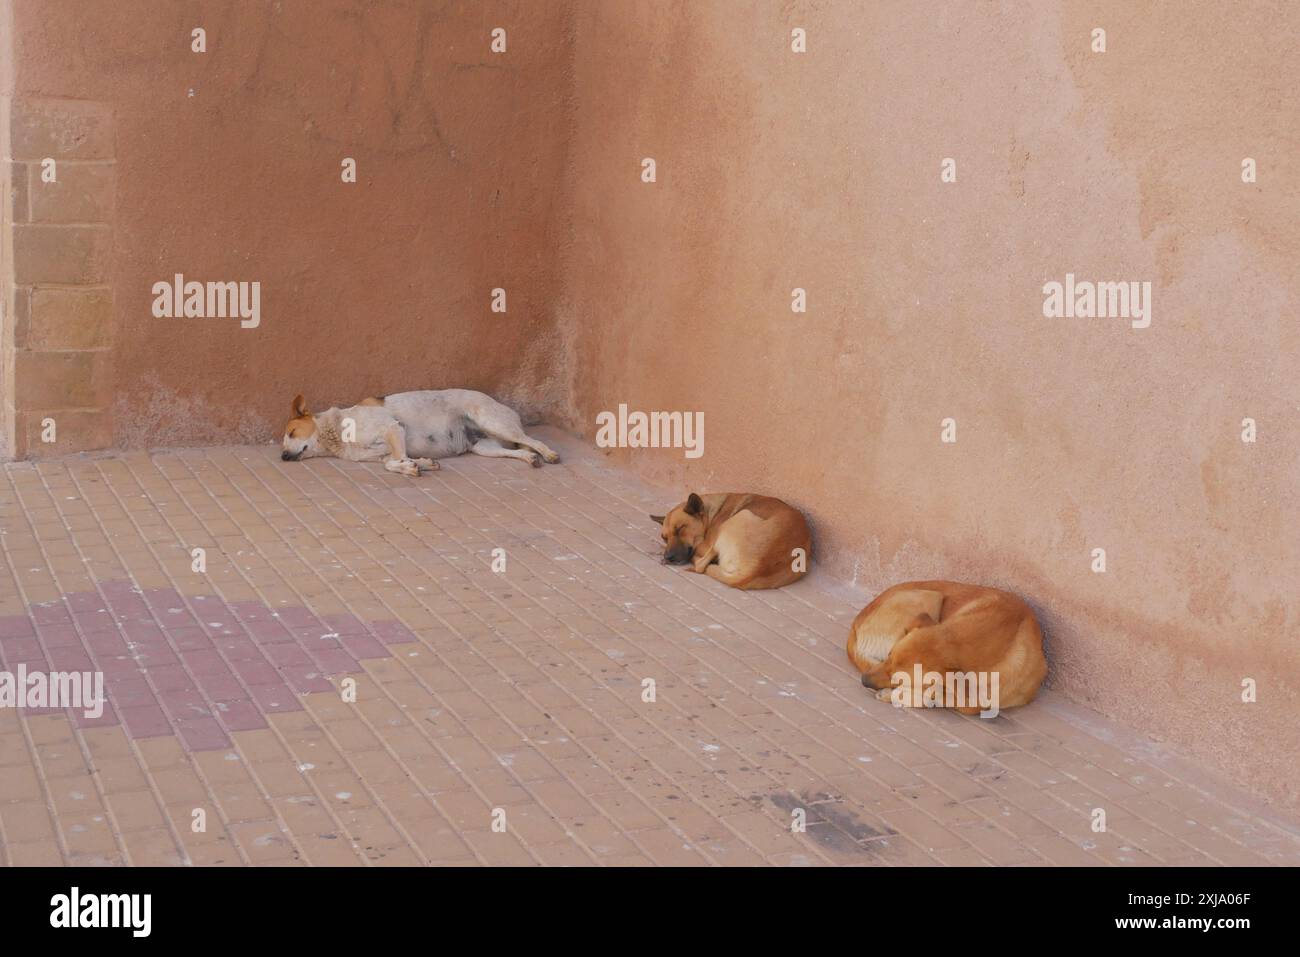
<point>949,645</point>
<point>742,540</point>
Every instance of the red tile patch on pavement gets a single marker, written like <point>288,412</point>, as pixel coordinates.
<point>195,667</point>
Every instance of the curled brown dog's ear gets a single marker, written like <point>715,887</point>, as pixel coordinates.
<point>694,504</point>
<point>657,519</point>
<point>299,407</point>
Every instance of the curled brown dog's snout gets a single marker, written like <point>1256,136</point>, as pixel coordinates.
<point>678,555</point>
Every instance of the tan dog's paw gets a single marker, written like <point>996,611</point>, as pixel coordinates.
<point>703,560</point>
<point>535,460</point>
<point>885,694</point>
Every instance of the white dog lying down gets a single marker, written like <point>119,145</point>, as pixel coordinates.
<point>409,430</point>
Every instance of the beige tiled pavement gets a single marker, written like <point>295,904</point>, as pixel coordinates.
<point>513,698</point>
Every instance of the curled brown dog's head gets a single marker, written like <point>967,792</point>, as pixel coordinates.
<point>682,530</point>
<point>299,434</point>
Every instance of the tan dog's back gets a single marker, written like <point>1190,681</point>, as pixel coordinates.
<point>880,625</point>
<point>759,542</point>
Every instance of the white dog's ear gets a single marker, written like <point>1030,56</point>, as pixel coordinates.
<point>657,519</point>
<point>299,407</point>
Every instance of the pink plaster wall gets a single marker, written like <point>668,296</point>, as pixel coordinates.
<point>822,171</point>
<point>228,168</point>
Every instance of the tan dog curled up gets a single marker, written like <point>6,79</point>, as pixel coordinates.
<point>961,632</point>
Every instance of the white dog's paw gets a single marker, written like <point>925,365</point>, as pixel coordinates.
<point>535,460</point>
<point>403,467</point>
<point>428,465</point>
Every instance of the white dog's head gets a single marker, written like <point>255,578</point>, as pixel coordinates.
<point>300,440</point>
